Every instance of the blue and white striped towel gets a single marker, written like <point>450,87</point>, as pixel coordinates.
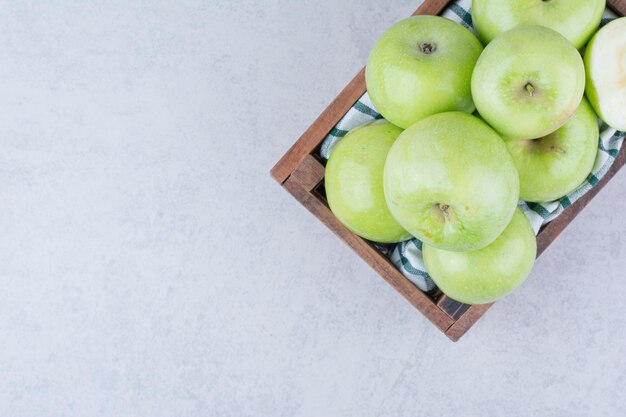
<point>407,256</point>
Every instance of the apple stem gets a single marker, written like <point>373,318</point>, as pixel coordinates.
<point>531,89</point>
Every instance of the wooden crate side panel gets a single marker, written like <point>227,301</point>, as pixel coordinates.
<point>302,192</point>
<point>618,6</point>
<point>555,227</point>
<point>316,133</point>
<point>467,320</point>
<point>432,7</point>
<point>457,318</point>
<point>547,236</point>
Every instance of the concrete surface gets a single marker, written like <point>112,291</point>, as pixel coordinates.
<point>150,266</point>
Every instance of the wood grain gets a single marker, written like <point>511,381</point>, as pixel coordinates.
<point>316,133</point>
<point>549,233</point>
<point>618,6</point>
<point>467,320</point>
<point>300,173</point>
<point>302,192</point>
<point>433,7</point>
<point>545,237</point>
<point>309,173</point>
<point>313,136</point>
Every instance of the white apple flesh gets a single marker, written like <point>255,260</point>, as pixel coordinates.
<point>528,82</point>
<point>605,62</point>
<point>553,166</point>
<point>450,181</point>
<point>488,274</point>
<point>422,66</point>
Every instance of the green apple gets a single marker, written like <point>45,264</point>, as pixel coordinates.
<point>528,82</point>
<point>605,61</point>
<point>422,66</point>
<point>450,181</point>
<point>354,182</point>
<point>576,20</point>
<point>553,166</point>
<point>488,274</point>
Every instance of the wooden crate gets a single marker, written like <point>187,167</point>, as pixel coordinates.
<point>301,173</point>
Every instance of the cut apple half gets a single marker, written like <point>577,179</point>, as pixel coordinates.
<point>605,62</point>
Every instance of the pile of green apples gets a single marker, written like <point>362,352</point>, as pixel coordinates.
<point>469,130</point>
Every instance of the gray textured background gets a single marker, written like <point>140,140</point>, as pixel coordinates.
<point>150,266</point>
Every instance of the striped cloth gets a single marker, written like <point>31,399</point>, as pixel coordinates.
<point>407,256</point>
